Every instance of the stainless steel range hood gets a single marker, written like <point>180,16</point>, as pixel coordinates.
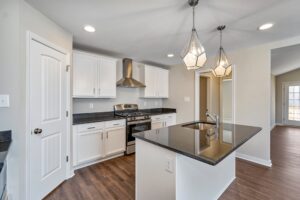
<point>127,80</point>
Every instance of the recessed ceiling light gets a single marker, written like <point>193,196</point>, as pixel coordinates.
<point>89,28</point>
<point>265,26</point>
<point>170,55</point>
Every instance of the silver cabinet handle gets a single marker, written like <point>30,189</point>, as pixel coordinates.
<point>101,136</point>
<point>91,127</point>
<point>116,124</point>
<point>99,90</point>
<point>106,135</point>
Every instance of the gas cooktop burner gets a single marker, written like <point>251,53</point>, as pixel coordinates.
<point>130,112</point>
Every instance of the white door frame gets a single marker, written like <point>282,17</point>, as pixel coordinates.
<point>34,37</point>
<point>197,86</point>
<point>285,120</point>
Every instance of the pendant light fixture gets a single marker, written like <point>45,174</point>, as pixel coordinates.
<point>194,55</point>
<point>222,68</point>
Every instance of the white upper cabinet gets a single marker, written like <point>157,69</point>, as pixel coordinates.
<point>157,82</point>
<point>84,75</point>
<point>107,78</point>
<point>94,76</point>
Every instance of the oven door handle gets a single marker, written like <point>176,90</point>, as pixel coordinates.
<point>139,122</point>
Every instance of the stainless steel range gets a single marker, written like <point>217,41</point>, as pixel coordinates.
<point>136,121</point>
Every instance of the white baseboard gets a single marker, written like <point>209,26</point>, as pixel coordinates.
<point>96,161</point>
<point>273,126</point>
<point>267,163</point>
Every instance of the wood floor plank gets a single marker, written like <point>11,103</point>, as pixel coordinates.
<point>115,179</point>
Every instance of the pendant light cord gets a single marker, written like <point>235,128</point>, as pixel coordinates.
<point>194,18</point>
<point>221,38</point>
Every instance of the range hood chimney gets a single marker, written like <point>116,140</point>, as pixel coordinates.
<point>127,80</point>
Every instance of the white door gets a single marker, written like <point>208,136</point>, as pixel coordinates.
<point>89,146</point>
<point>48,121</point>
<point>107,78</point>
<point>292,104</point>
<point>84,75</point>
<point>115,141</point>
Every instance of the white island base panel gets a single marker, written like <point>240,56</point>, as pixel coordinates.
<point>162,174</point>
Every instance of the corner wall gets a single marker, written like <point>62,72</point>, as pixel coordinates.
<point>181,85</point>
<point>16,17</point>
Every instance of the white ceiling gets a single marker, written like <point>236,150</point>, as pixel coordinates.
<point>148,30</point>
<point>285,59</point>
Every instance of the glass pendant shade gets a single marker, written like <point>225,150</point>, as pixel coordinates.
<point>194,55</point>
<point>222,68</point>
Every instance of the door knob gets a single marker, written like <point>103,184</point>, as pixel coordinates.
<point>38,131</point>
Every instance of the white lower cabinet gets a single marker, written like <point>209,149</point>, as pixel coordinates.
<point>95,141</point>
<point>115,140</point>
<point>165,120</point>
<point>89,146</point>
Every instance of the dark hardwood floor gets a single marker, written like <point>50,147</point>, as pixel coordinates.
<point>114,179</point>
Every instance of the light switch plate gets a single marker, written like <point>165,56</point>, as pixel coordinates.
<point>4,101</point>
<point>187,99</point>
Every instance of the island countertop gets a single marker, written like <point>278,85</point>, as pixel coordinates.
<point>202,141</point>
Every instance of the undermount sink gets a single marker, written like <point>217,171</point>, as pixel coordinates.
<point>202,126</point>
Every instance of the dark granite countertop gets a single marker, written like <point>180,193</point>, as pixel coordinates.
<point>205,142</point>
<point>5,141</point>
<point>85,118</point>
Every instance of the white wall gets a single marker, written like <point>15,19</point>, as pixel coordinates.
<point>124,95</point>
<point>181,85</point>
<point>252,98</point>
<point>16,17</point>
<point>11,83</point>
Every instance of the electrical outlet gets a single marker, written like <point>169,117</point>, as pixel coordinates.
<point>91,105</point>
<point>170,165</point>
<point>4,101</point>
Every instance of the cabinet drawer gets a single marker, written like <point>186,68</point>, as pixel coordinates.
<point>115,123</point>
<point>157,117</point>
<point>90,127</point>
<point>169,116</point>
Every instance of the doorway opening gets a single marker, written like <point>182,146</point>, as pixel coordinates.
<point>285,86</point>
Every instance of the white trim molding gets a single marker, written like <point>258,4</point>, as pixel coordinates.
<point>267,163</point>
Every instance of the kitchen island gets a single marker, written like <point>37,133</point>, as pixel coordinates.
<point>194,161</point>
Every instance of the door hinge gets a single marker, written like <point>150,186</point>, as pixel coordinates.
<point>67,158</point>
<point>67,68</point>
<point>67,113</point>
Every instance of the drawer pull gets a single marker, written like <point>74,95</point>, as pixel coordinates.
<point>116,124</point>
<point>91,127</point>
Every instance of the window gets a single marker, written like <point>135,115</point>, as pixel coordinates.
<point>294,103</point>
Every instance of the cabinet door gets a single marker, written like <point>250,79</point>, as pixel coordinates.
<point>107,78</point>
<point>89,146</point>
<point>170,120</point>
<point>84,75</point>
<point>150,82</point>
<point>156,125</point>
<point>115,140</point>
<point>163,83</point>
